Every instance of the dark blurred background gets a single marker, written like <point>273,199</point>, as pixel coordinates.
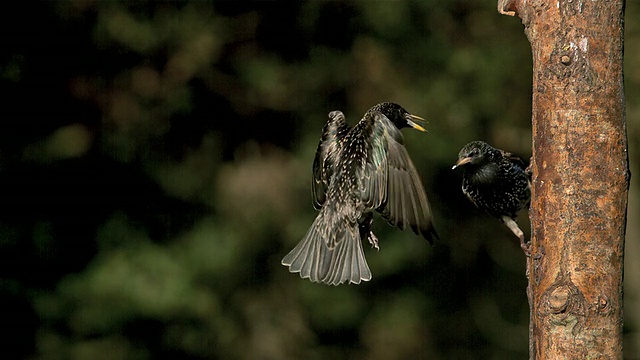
<point>155,162</point>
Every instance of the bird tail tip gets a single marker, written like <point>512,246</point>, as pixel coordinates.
<point>313,259</point>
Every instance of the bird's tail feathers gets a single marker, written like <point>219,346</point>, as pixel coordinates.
<point>348,263</point>
<point>331,252</point>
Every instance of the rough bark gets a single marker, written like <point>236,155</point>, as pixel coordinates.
<point>580,176</point>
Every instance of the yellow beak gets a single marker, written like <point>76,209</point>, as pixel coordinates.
<point>461,161</point>
<point>411,120</point>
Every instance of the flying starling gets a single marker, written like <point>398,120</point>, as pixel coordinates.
<point>497,182</point>
<point>356,171</point>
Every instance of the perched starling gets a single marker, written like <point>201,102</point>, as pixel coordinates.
<point>356,171</point>
<point>496,181</point>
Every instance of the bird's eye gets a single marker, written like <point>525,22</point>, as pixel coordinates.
<point>473,152</point>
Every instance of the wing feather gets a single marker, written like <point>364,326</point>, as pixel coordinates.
<point>375,172</point>
<point>325,160</point>
<point>407,204</point>
<point>391,184</point>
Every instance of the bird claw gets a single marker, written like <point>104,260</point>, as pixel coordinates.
<point>527,248</point>
<point>535,257</point>
<point>373,240</point>
<point>529,169</point>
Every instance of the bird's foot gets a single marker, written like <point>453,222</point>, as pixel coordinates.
<point>535,265</point>
<point>526,247</point>
<point>529,169</point>
<point>373,240</point>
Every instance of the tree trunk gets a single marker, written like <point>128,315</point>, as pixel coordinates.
<point>580,177</point>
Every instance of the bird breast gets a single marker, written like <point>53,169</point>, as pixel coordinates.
<point>484,175</point>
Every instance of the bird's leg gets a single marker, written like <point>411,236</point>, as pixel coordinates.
<point>365,231</point>
<point>513,226</point>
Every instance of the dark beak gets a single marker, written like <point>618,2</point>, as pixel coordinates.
<point>411,121</point>
<point>461,161</point>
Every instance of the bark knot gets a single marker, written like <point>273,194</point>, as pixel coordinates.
<point>559,299</point>
<point>603,305</point>
<point>563,304</point>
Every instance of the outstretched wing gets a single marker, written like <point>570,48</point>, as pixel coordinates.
<point>323,164</point>
<point>391,183</point>
<point>375,174</point>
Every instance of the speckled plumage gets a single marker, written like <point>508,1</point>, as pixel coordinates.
<point>357,171</point>
<point>495,181</point>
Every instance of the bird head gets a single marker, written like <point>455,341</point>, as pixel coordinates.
<point>475,153</point>
<point>400,117</point>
